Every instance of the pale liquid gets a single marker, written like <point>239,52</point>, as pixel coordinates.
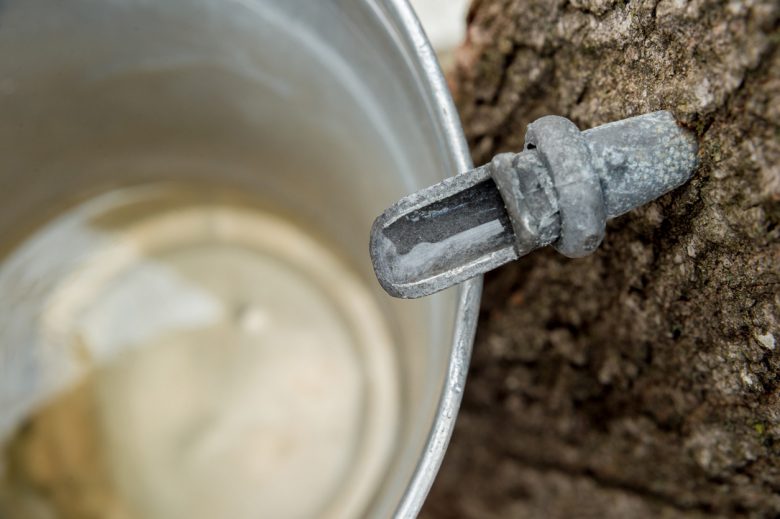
<point>220,360</point>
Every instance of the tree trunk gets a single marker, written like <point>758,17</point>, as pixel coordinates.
<point>642,381</point>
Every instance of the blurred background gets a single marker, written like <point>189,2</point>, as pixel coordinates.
<point>444,22</point>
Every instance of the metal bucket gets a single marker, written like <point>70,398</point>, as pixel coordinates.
<point>327,110</point>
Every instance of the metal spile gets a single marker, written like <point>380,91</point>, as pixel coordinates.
<point>559,191</point>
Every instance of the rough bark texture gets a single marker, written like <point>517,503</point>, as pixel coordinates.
<point>643,381</point>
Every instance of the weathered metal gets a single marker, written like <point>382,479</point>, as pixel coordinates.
<point>559,191</point>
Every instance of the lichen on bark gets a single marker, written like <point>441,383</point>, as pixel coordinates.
<point>642,381</point>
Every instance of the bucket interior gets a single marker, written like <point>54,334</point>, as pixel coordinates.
<point>309,110</point>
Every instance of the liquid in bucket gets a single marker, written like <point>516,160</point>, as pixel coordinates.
<point>187,353</point>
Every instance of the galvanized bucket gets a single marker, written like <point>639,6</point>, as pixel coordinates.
<point>330,110</point>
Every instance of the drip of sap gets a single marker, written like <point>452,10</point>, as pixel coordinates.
<point>177,354</point>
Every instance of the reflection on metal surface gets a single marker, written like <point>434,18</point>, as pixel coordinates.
<point>227,352</point>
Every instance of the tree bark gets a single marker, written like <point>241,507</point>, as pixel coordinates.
<point>644,380</point>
